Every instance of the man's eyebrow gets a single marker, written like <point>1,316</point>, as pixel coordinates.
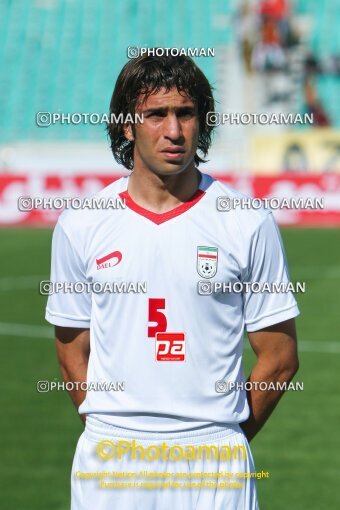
<point>164,109</point>
<point>156,109</point>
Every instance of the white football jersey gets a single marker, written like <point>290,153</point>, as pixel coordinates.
<point>171,342</point>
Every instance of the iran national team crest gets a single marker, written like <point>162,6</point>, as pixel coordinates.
<point>207,261</point>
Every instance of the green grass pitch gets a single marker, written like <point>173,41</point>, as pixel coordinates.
<point>299,446</point>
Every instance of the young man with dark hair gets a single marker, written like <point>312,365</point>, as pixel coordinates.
<point>177,346</point>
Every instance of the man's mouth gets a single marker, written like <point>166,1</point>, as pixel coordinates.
<point>173,152</point>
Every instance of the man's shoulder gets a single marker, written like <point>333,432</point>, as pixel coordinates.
<point>236,207</point>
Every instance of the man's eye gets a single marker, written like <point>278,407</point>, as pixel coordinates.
<point>186,113</point>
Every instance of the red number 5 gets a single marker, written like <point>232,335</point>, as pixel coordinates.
<point>155,305</point>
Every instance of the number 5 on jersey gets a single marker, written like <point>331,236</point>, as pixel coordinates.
<point>155,315</point>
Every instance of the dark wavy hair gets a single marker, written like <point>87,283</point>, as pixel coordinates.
<point>147,75</point>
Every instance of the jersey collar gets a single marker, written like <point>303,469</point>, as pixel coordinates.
<point>159,218</point>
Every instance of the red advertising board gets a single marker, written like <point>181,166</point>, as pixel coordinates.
<point>325,187</point>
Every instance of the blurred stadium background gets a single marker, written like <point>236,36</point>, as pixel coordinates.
<point>275,56</point>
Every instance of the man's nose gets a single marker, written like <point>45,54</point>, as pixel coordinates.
<point>172,127</point>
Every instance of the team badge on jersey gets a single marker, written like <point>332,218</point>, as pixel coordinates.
<point>207,261</point>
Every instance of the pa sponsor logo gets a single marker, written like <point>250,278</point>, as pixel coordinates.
<point>170,347</point>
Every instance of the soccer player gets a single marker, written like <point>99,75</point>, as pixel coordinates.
<point>178,346</point>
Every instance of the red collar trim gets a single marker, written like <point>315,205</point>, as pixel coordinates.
<point>159,218</point>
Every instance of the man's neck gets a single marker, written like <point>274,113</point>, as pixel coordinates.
<point>160,194</point>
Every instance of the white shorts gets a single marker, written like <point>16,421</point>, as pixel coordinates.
<point>201,475</point>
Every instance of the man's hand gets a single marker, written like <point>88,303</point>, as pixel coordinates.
<point>277,361</point>
<point>73,349</point>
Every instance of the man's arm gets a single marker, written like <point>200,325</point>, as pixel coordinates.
<point>277,361</point>
<point>73,350</point>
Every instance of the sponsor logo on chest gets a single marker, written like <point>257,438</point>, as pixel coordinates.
<point>110,260</point>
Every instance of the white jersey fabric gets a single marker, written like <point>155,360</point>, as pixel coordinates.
<point>169,381</point>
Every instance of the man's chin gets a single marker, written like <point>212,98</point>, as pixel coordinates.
<point>172,167</point>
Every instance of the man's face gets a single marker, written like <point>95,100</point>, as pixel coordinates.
<point>166,142</point>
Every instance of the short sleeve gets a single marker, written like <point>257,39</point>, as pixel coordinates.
<point>65,308</point>
<point>267,264</point>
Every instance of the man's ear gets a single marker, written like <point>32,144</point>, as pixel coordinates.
<point>128,133</point>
